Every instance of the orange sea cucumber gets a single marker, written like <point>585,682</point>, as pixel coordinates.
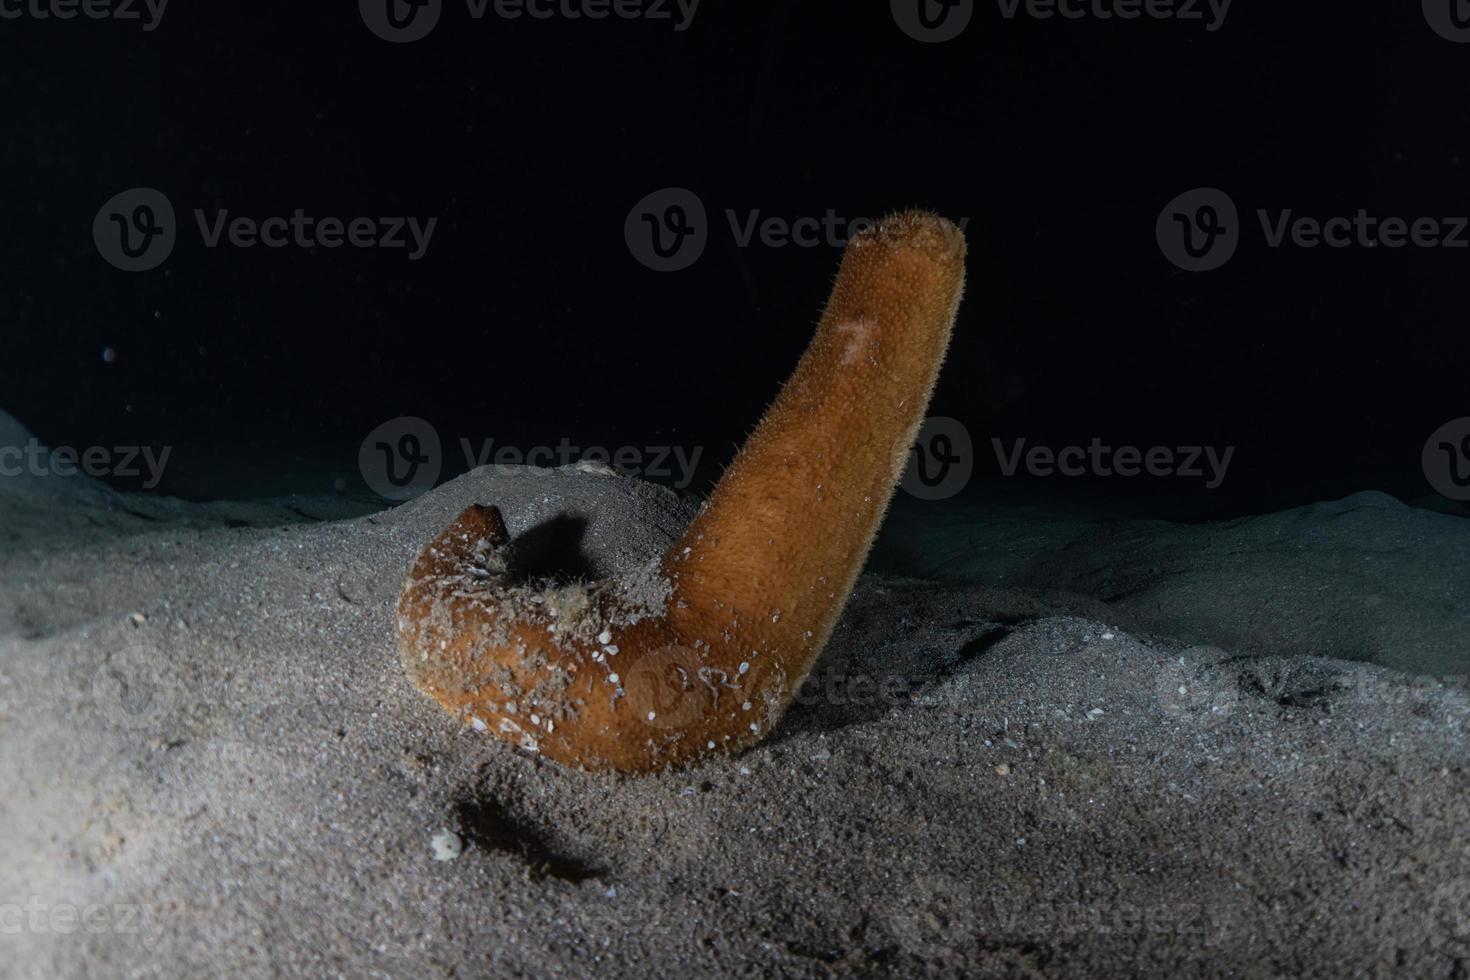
<point>704,651</point>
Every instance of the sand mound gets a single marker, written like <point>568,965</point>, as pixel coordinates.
<point>215,765</point>
<point>1364,578</point>
<point>28,468</point>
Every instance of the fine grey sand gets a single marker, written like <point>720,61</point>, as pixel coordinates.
<point>1106,750</point>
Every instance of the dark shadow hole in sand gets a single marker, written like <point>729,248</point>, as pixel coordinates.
<point>991,633</point>
<point>30,624</point>
<point>487,824</point>
<point>150,518</point>
<point>1306,686</point>
<point>551,551</point>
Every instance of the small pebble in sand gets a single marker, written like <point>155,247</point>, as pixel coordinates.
<point>138,619</point>
<point>447,846</point>
<point>1095,714</point>
<point>1003,770</point>
<point>1107,636</point>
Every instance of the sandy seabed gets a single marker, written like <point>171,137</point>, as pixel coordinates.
<point>1036,746</point>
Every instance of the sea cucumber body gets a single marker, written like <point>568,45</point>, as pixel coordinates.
<point>704,652</point>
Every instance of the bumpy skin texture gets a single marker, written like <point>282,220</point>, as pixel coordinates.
<point>704,652</point>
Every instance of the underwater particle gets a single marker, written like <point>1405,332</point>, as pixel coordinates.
<point>446,845</point>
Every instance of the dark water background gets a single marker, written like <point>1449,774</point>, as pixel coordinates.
<point>529,319</point>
